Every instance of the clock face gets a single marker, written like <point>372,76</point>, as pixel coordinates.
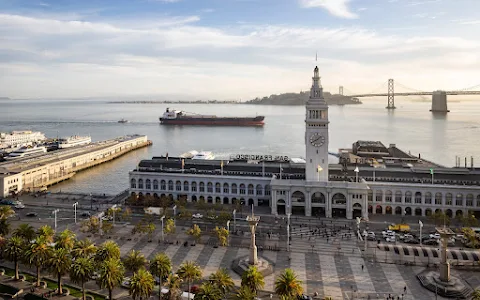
<point>317,140</point>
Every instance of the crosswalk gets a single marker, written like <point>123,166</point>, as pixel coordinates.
<point>324,269</point>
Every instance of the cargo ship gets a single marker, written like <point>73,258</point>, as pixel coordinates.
<point>177,117</point>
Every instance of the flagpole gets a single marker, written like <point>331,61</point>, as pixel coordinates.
<point>280,171</point>
<point>221,165</point>
<point>431,172</point>
<point>263,168</point>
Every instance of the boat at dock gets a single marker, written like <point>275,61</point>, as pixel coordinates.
<point>123,121</point>
<point>178,117</point>
<point>74,141</point>
<point>26,152</point>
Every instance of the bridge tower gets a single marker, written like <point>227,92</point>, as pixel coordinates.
<point>391,95</point>
<point>340,90</point>
<point>439,102</point>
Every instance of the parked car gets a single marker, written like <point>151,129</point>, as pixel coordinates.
<point>411,241</point>
<point>86,214</point>
<point>390,239</point>
<point>388,233</point>
<point>31,214</point>
<point>408,236</point>
<point>20,206</point>
<point>197,216</point>
<point>435,236</point>
<point>432,242</point>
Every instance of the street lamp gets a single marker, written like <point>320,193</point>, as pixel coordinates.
<point>228,229</point>
<point>55,216</point>
<point>288,231</point>
<point>161,219</point>
<point>421,226</point>
<point>234,221</point>
<point>114,207</point>
<point>175,215</point>
<point>356,173</point>
<point>75,211</point>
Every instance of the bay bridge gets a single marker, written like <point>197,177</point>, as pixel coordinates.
<point>439,98</point>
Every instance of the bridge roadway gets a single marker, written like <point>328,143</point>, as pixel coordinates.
<point>453,93</point>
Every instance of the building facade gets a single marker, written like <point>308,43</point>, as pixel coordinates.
<point>310,188</point>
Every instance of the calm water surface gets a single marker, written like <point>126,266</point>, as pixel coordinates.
<point>411,126</point>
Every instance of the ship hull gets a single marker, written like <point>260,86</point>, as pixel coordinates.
<point>257,121</point>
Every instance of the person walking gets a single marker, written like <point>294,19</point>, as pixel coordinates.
<point>362,268</point>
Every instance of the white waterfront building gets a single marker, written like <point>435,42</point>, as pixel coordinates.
<point>16,139</point>
<point>310,188</point>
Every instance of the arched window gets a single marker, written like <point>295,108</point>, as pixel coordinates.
<point>209,187</point>
<point>226,189</point>
<point>438,198</point>
<point>318,197</point>
<point>194,186</point>
<point>378,196</point>
<point>267,190</point>
<point>459,200</point>
<point>398,197</point>
<point>250,189</point>
<point>148,184</point>
<point>259,190</point>
<point>163,185</point>
<point>170,185</point>
<point>478,200</point>
<point>418,198</point>
<point>388,196</point>
<point>155,184</point>
<point>428,198</point>
<point>408,197</point>
<point>469,200</point>
<point>140,183</point>
<point>202,187</point>
<point>242,189</point>
<point>234,188</point>
<point>133,183</point>
<point>218,188</point>
<point>178,185</point>
<point>448,199</point>
<point>185,186</point>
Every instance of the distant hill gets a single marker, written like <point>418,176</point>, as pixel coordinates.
<point>301,98</point>
<point>5,98</point>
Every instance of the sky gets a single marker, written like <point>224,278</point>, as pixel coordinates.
<point>234,49</point>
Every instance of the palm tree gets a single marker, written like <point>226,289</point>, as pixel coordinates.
<point>134,261</point>
<point>47,232</point>
<point>65,240</point>
<point>208,291</point>
<point>6,211</point>
<point>4,227</point>
<point>25,231</point>
<point>174,282</point>
<point>107,250</point>
<point>142,284</point>
<point>111,275</point>
<point>189,271</point>
<point>245,293</point>
<point>82,271</point>
<point>160,266</point>
<point>222,281</point>
<point>476,294</point>
<point>60,263</point>
<point>13,251</point>
<point>38,254</point>
<point>253,279</point>
<point>84,248</point>
<point>287,284</point>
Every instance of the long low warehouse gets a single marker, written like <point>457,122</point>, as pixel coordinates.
<point>35,173</point>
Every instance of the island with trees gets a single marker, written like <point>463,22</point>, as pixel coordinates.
<point>301,99</point>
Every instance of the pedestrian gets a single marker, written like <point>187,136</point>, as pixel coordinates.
<point>405,289</point>
<point>362,268</point>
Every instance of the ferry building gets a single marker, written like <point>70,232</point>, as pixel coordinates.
<point>404,185</point>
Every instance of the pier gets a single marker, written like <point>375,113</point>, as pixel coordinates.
<point>36,173</point>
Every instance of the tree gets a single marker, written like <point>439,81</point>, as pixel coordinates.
<point>440,217</point>
<point>253,279</point>
<point>25,232</point>
<point>476,294</point>
<point>84,248</point>
<point>13,251</point>
<point>174,282</point>
<point>37,254</point>
<point>81,271</point>
<point>107,227</point>
<point>111,275</point>
<point>142,284</point>
<point>6,211</point>
<point>189,271</point>
<point>134,261</point>
<point>169,226</point>
<point>470,237</point>
<point>4,227</point>
<point>127,212</point>
<point>160,266</point>
<point>288,285</point>
<point>150,230</point>
<point>208,291</point>
<point>222,235</point>
<point>244,293</point>
<point>65,240</point>
<point>47,232</point>
<point>195,232</point>
<point>60,263</point>
<point>222,280</point>
<point>107,250</point>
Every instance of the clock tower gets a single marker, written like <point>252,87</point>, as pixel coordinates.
<point>316,133</point>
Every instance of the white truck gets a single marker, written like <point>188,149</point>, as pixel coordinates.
<point>154,211</point>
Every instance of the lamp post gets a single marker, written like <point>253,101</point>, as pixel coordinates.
<point>421,226</point>
<point>288,231</point>
<point>91,202</point>
<point>356,173</point>
<point>228,229</point>
<point>161,219</point>
<point>114,207</point>
<point>55,216</point>
<point>75,211</point>
<point>234,221</point>
<point>175,215</point>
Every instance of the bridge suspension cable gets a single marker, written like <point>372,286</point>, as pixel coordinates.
<point>407,88</point>
<point>469,88</point>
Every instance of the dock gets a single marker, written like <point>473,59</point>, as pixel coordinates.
<point>38,172</point>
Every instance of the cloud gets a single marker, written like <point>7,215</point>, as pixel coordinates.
<point>338,8</point>
<point>71,58</point>
<point>416,3</point>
